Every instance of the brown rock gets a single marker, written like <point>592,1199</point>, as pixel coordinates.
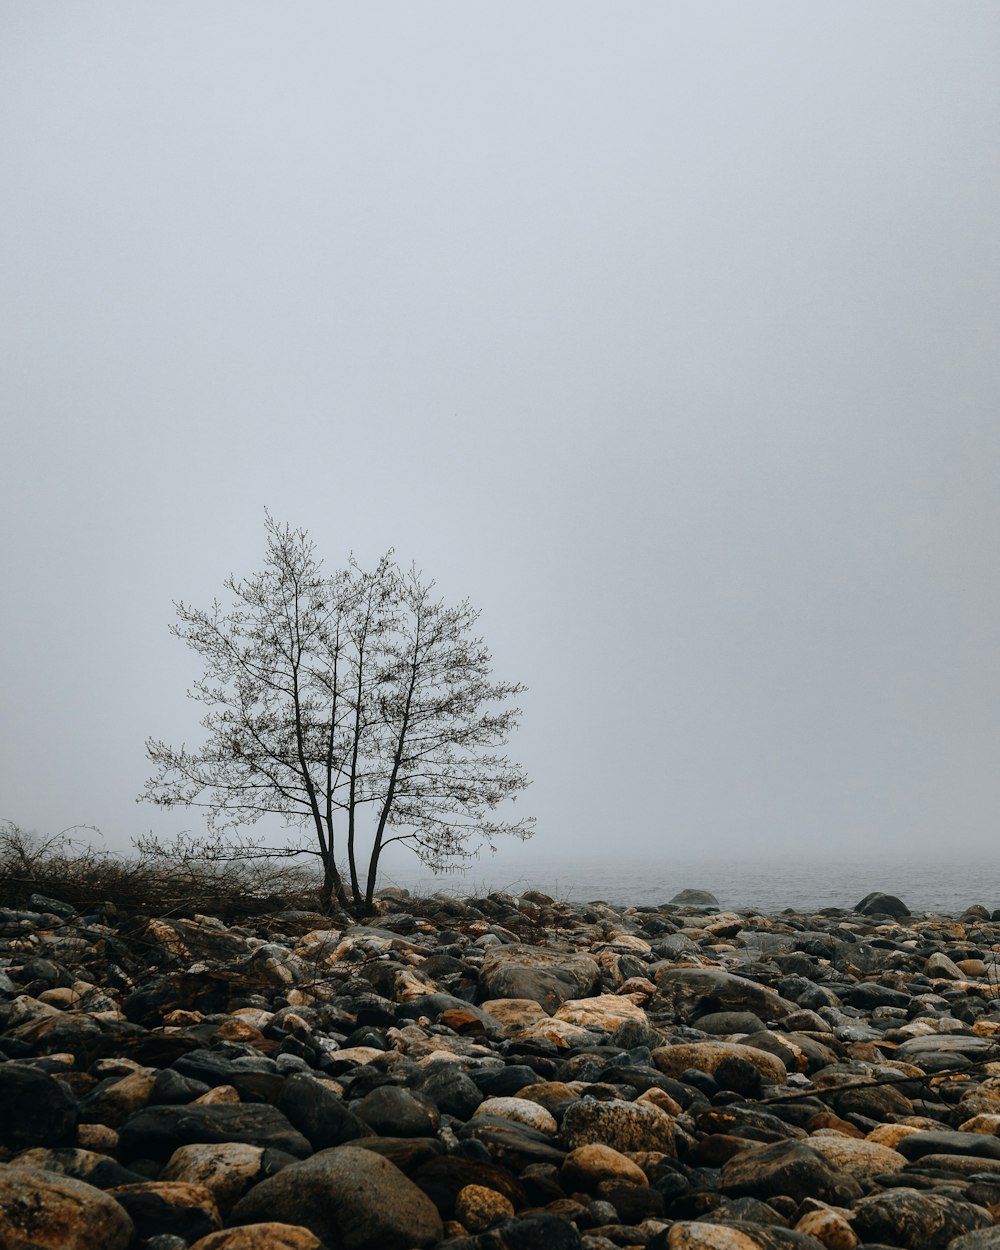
<point>622,1125</point>
<point>227,1169</point>
<point>268,1236</point>
<point>706,1057</point>
<point>45,1209</point>
<point>585,1167</point>
<point>476,1207</point>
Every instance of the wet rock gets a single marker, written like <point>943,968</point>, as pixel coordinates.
<point>916,1219</point>
<point>916,1145</point>
<point>82,1165</point>
<point>694,898</point>
<point>156,1132</point>
<point>451,1089</point>
<point>347,1197</point>
<point>858,1158</point>
<point>38,1110</point>
<point>694,991</point>
<point>521,1111</point>
<point>624,1126</point>
<point>56,1212</point>
<point>477,1207</point>
<point>444,1177</point>
<point>514,1145</point>
<point>788,1168</point>
<point>226,1169</point>
<point>531,1233</point>
<point>267,1236</point>
<point>708,1236</point>
<point>547,976</point>
<point>586,1166</point>
<point>318,1114</point>
<point>173,1207</point>
<point>708,1056</point>
<point>391,1109</point>
<point>879,904</point>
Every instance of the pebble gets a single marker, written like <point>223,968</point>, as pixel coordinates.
<point>501,1073</point>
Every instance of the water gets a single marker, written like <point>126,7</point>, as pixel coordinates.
<point>768,884</point>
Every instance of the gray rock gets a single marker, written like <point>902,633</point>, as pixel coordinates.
<point>391,1109</point>
<point>156,1132</point>
<point>789,1168</point>
<point>978,1239</point>
<point>318,1113</point>
<point>977,1145</point>
<point>349,1198</point>
<point>38,1110</point>
<point>915,1219</point>
<point>550,977</point>
<point>705,990</point>
<point>695,898</point>
<point>879,904</point>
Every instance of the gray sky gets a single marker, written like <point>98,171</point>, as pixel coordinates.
<point>667,333</point>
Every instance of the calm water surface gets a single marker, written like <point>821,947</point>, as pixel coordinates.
<point>770,885</point>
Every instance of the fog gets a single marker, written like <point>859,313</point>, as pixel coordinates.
<point>666,333</point>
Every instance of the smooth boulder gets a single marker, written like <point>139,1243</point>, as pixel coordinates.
<point>349,1198</point>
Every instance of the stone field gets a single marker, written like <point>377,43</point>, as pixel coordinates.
<point>500,1073</point>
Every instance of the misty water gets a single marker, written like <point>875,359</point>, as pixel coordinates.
<point>767,883</point>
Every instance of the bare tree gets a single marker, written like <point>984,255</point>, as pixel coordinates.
<point>357,705</point>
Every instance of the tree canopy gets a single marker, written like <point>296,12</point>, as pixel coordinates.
<point>357,705</point>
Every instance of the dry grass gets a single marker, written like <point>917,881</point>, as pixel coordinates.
<point>70,867</point>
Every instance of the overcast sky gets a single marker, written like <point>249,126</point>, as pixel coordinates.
<point>667,333</point>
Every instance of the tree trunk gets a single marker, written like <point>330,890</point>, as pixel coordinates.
<point>332,886</point>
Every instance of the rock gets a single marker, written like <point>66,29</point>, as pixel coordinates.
<point>226,1169</point>
<point>347,1197</point>
<point>939,965</point>
<point>114,1103</point>
<point>707,1236</point>
<point>477,1207</point>
<point>916,1219</point>
<point>319,1114</point>
<point>788,1168</point>
<point>623,1126</point>
<point>391,1109</point>
<point>534,1232</point>
<point>694,991</point>
<point>549,977</point>
<point>514,1013</point>
<point>858,1158</point>
<point>521,1111</point>
<point>38,1110</point>
<point>694,898</point>
<point>514,1145</point>
<point>58,1213</point>
<point>156,1132</point>
<point>708,1056</point>
<point>443,1178</point>
<point>606,1011</point>
<point>82,1165</point>
<point>978,1239</point>
<point>878,904</point>
<point>916,1145</point>
<point>266,1236</point>
<point>187,1211</point>
<point>586,1166</point>
<point>451,1090</point>
<point>724,1023</point>
<point>830,1228</point>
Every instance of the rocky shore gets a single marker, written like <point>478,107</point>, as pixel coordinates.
<point>500,1073</point>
